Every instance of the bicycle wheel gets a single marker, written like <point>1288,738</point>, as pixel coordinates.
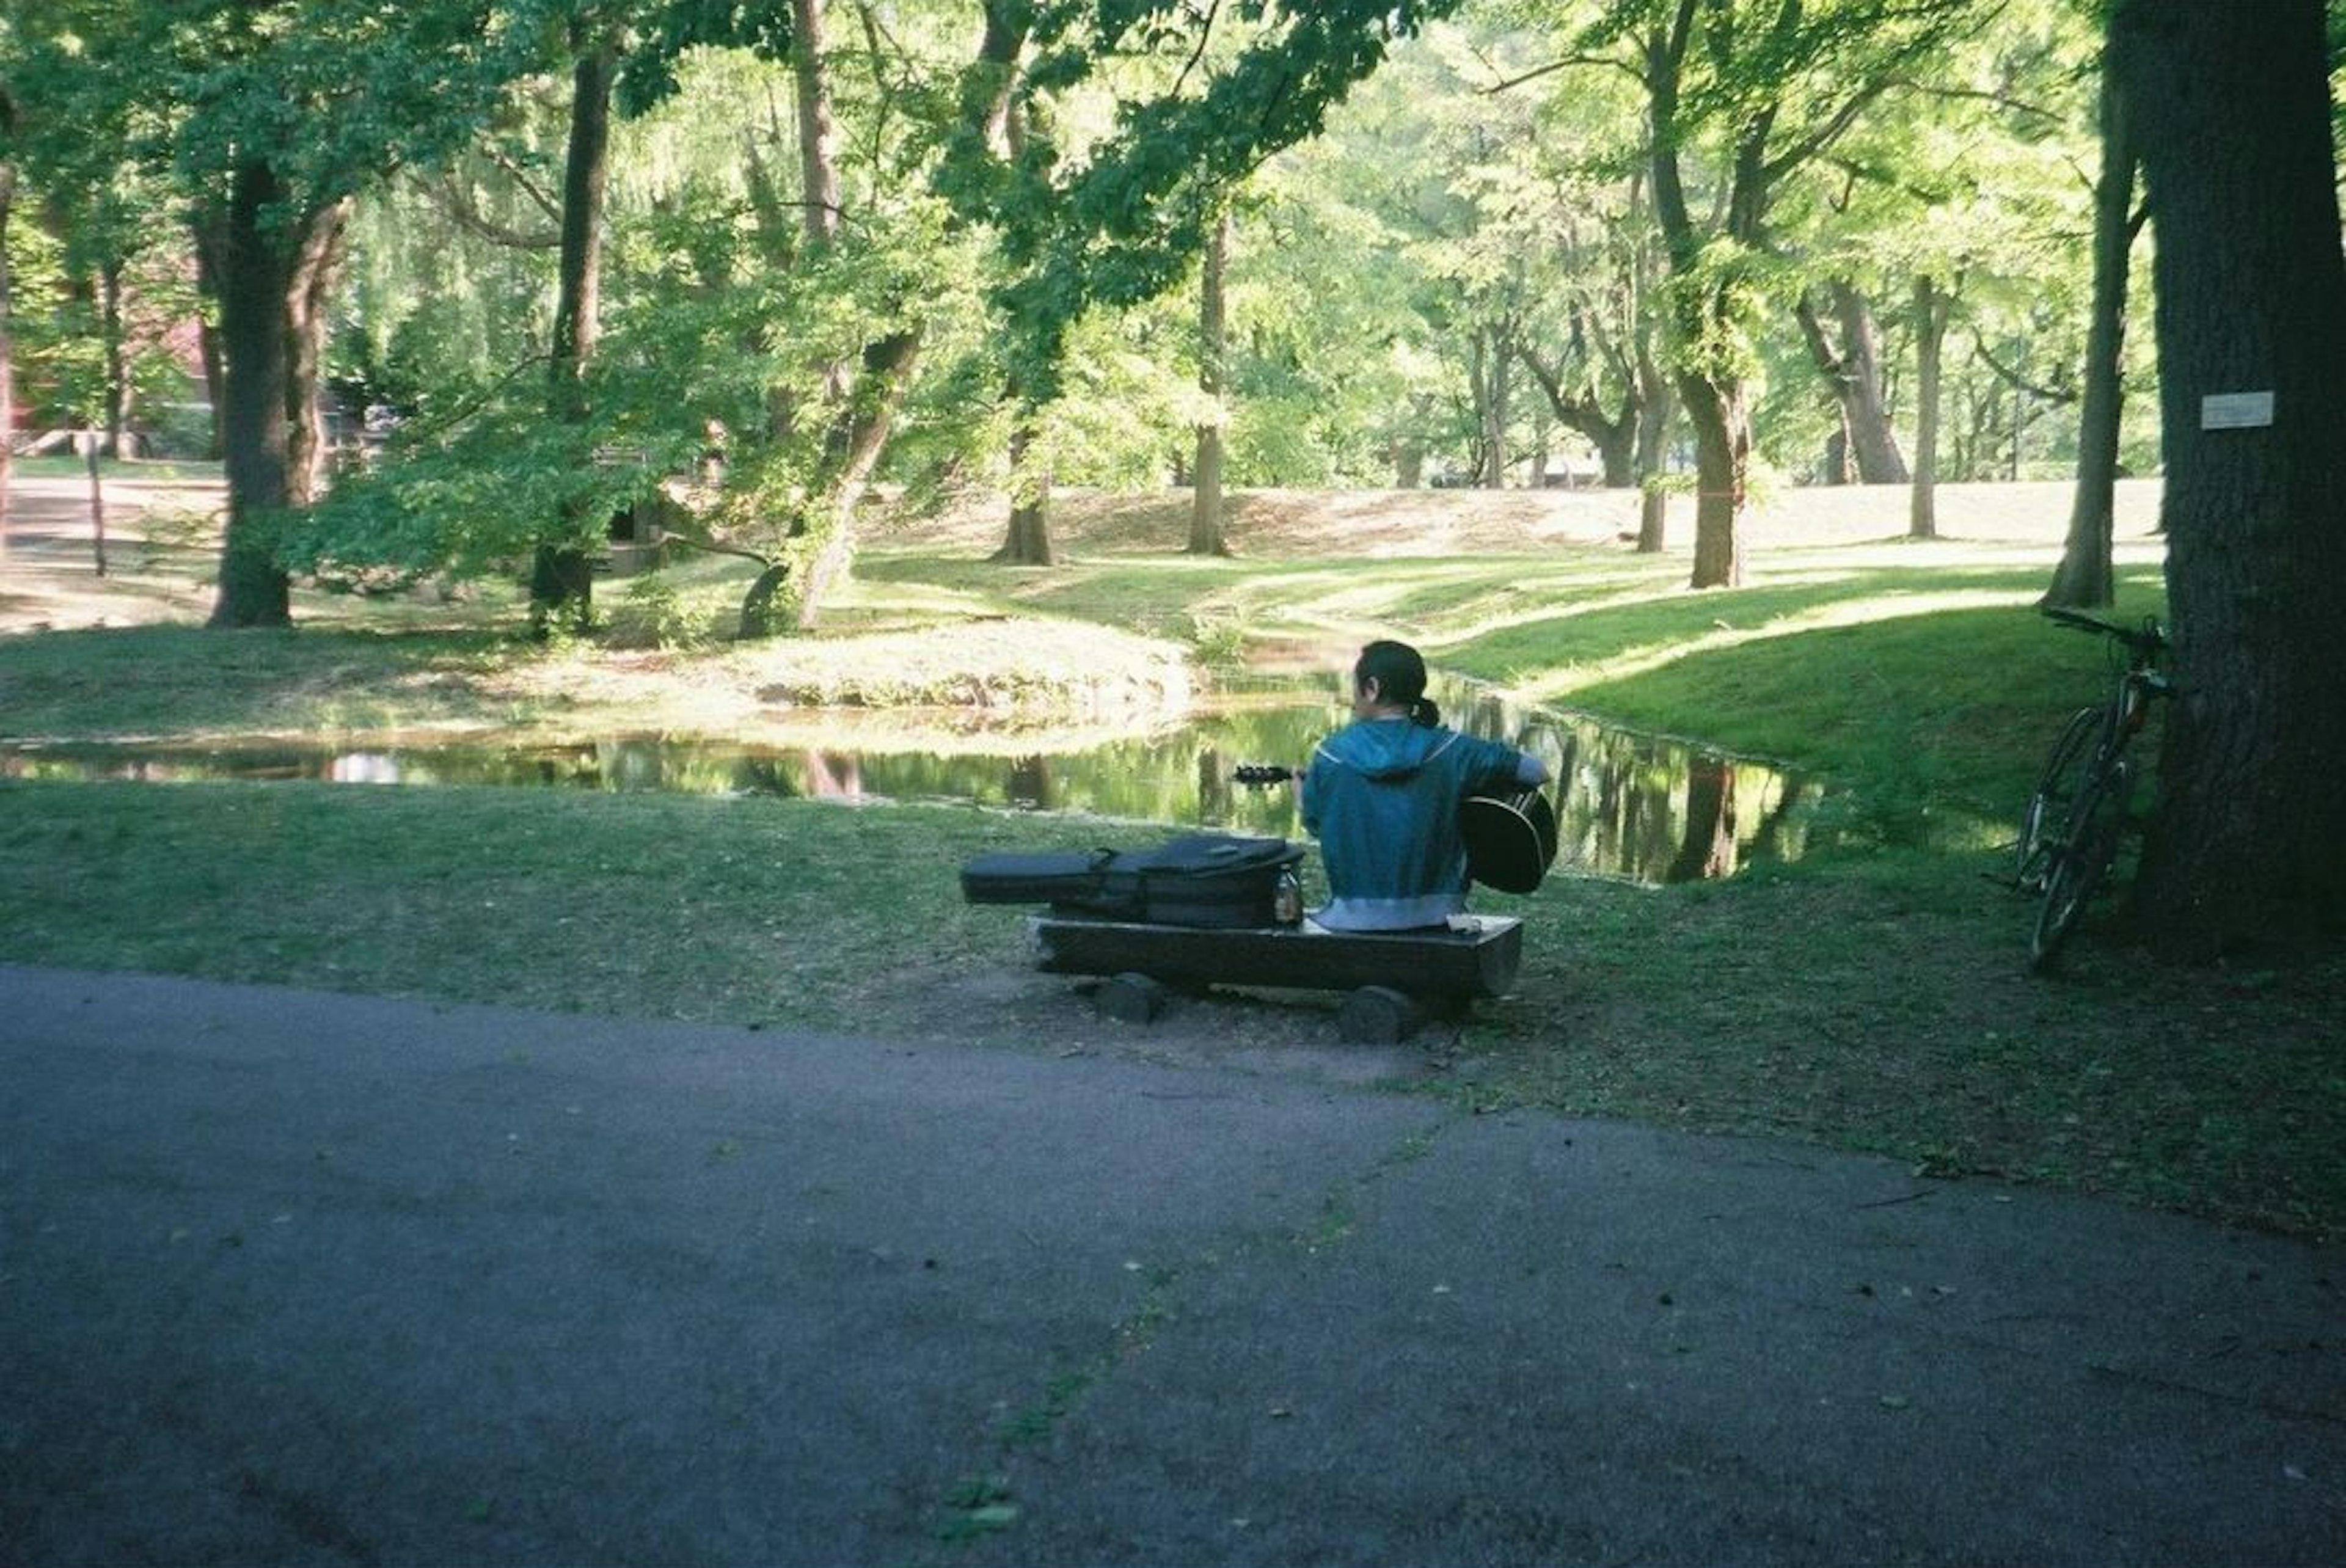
<point>2045,817</point>
<point>2079,858</point>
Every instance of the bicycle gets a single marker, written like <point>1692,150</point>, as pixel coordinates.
<point>2069,831</point>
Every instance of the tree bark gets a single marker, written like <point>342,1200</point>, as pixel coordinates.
<point>7,340</point>
<point>818,168</point>
<point>1615,436</point>
<point>562,571</point>
<point>857,438</point>
<point>2086,576</point>
<point>256,273</point>
<point>1213,346</point>
<point>1028,543</point>
<point>207,228</point>
<point>1493,352</point>
<point>309,296</point>
<point>1852,370</point>
<point>2233,113</point>
<point>1717,406</point>
<point>1930,309</point>
<point>1720,413</point>
<point>118,363</point>
<point>1655,408</point>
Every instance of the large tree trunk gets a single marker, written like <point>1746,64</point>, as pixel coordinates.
<point>1615,436</point>
<point>1028,542</point>
<point>256,273</point>
<point>1931,308</point>
<point>1717,408</point>
<point>852,451</point>
<point>1853,369</point>
<point>1720,416</point>
<point>2233,113</point>
<point>1213,344</point>
<point>7,344</point>
<point>309,296</point>
<point>2086,576</point>
<point>562,571</point>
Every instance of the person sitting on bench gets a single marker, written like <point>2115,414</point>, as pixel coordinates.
<point>1382,796</point>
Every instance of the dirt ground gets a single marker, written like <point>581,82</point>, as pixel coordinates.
<point>159,551</point>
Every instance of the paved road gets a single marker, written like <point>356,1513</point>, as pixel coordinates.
<point>298,1278</point>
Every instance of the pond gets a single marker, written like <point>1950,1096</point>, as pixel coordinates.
<point>1633,806</point>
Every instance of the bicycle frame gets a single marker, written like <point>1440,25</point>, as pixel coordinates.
<point>2071,827</point>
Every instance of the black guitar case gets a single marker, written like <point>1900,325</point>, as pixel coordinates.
<point>1209,881</point>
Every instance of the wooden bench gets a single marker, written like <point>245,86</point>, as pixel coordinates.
<point>1394,977</point>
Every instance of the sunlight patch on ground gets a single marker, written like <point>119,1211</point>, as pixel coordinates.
<point>1638,661</point>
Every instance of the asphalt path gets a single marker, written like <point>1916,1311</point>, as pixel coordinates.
<point>290,1278</point>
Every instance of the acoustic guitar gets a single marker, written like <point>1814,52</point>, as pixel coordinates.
<point>1511,837</point>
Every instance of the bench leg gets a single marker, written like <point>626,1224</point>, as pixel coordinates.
<point>1379,1015</point>
<point>1132,998</point>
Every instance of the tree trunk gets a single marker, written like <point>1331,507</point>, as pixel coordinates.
<point>1720,416</point>
<point>1853,369</point>
<point>309,297</point>
<point>8,348</point>
<point>2232,109</point>
<point>93,443</point>
<point>852,451</point>
<point>118,367</point>
<point>256,272</point>
<point>1655,410</point>
<point>1493,350</point>
<point>562,572</point>
<point>1614,437</point>
<point>1931,308</point>
<point>818,169</point>
<point>207,228</point>
<point>1213,345</point>
<point>1716,405</point>
<point>2086,576</point>
<point>1029,540</point>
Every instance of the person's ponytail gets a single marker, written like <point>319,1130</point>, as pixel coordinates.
<point>1425,711</point>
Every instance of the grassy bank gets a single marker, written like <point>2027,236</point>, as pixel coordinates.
<point>1873,997</point>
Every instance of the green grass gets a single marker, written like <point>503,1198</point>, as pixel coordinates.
<point>1871,996</point>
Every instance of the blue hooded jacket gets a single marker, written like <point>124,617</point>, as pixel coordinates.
<point>1381,795</point>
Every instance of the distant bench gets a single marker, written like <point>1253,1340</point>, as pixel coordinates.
<point>1394,977</point>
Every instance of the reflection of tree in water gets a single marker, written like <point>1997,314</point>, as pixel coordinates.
<point>1215,792</point>
<point>1031,783</point>
<point>765,776</point>
<point>1707,847</point>
<point>1627,805</point>
<point>834,775</point>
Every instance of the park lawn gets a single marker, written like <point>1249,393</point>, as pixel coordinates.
<point>1871,997</point>
<point>1875,1004</point>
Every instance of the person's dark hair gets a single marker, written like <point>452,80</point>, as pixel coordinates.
<point>1399,671</point>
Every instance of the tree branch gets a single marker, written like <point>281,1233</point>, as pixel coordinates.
<point>2013,378</point>
<point>458,206</point>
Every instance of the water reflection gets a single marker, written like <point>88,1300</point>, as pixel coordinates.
<point>1632,806</point>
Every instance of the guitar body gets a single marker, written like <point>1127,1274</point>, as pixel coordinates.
<point>1510,839</point>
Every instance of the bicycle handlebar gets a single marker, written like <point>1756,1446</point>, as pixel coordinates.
<point>2146,640</point>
